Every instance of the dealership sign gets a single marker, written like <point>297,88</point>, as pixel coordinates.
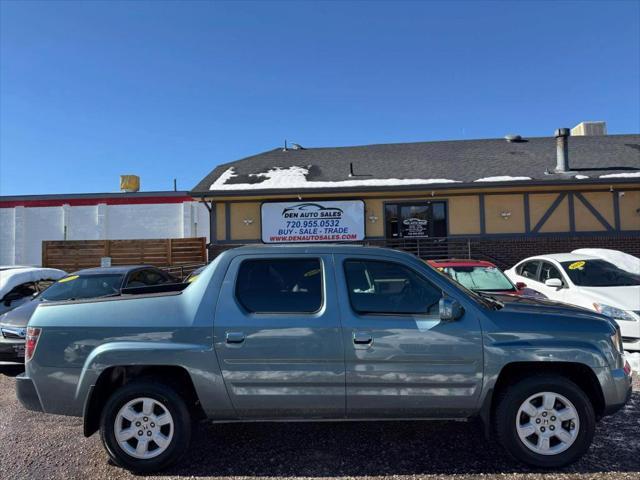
<point>333,221</point>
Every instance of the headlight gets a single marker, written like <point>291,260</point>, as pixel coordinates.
<point>613,312</point>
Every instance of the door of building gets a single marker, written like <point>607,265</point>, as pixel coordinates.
<point>416,219</point>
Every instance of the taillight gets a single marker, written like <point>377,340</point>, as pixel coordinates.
<point>33,334</point>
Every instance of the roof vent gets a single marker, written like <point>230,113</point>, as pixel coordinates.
<point>297,146</point>
<point>562,150</point>
<point>513,138</point>
<point>589,129</point>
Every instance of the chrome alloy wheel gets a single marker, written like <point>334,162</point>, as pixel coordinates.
<point>547,423</point>
<point>144,428</point>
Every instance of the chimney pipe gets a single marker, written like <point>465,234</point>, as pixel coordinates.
<point>562,150</point>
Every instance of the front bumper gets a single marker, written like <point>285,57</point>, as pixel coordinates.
<point>618,392</point>
<point>11,352</point>
<point>27,394</point>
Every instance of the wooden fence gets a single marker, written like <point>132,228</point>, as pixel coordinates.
<point>72,255</point>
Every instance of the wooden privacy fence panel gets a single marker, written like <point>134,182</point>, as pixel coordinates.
<point>71,255</point>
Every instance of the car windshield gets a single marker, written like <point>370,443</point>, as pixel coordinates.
<point>475,296</point>
<point>480,278</point>
<point>83,286</point>
<point>598,273</point>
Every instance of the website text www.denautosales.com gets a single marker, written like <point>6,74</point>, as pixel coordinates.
<point>313,238</point>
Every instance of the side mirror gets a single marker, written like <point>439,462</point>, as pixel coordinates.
<point>553,282</point>
<point>450,310</point>
<point>521,285</point>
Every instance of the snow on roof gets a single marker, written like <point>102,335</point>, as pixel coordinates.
<point>296,177</point>
<point>501,178</point>
<point>9,279</point>
<point>620,259</point>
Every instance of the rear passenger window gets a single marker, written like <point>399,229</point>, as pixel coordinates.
<point>377,287</point>
<point>280,285</point>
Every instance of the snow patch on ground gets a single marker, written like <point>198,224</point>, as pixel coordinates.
<point>296,178</point>
<point>620,259</point>
<point>622,175</point>
<point>581,177</point>
<point>504,178</point>
<point>634,361</point>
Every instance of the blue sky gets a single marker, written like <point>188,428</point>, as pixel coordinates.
<point>92,90</point>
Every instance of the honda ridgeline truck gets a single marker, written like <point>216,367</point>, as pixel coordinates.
<point>323,332</point>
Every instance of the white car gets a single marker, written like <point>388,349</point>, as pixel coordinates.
<point>19,284</point>
<point>588,282</point>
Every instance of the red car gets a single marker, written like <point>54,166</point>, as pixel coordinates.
<point>482,276</point>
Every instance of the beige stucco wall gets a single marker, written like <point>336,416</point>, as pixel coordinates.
<point>629,210</point>
<point>221,226</point>
<point>558,221</point>
<point>239,212</point>
<point>374,207</point>
<point>496,205</point>
<point>585,221</point>
<point>464,215</point>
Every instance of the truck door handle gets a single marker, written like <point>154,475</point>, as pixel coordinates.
<point>235,337</point>
<point>362,338</point>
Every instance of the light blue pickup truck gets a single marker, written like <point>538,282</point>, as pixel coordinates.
<point>323,332</point>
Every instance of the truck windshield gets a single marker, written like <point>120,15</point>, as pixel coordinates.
<point>598,273</point>
<point>487,279</point>
<point>83,286</point>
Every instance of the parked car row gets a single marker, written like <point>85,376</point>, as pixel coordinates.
<point>19,284</point>
<point>83,284</point>
<point>589,281</point>
<point>322,332</point>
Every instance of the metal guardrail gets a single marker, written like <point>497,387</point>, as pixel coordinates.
<point>432,248</point>
<point>439,248</point>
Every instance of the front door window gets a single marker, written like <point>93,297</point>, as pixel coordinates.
<point>416,220</point>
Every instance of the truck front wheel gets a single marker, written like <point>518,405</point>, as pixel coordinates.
<point>145,426</point>
<point>545,421</point>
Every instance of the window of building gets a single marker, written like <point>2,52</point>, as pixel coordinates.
<point>415,220</point>
<point>280,285</point>
<point>377,287</point>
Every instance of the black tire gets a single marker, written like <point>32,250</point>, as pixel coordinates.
<point>514,396</point>
<point>171,401</point>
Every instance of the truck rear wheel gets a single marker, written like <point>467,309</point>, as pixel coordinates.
<point>145,426</point>
<point>545,421</point>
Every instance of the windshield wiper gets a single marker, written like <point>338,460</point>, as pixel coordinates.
<point>497,304</point>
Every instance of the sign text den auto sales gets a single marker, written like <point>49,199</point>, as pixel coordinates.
<point>313,221</point>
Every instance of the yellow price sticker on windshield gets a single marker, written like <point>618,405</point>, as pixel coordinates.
<point>68,279</point>
<point>577,265</point>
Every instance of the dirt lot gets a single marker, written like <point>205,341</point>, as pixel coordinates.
<point>37,446</point>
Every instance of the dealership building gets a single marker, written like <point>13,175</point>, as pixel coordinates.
<point>501,199</point>
<point>497,199</point>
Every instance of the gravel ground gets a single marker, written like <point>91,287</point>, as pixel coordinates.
<point>37,446</point>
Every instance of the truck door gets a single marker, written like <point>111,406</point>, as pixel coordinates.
<point>278,339</point>
<point>401,360</point>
